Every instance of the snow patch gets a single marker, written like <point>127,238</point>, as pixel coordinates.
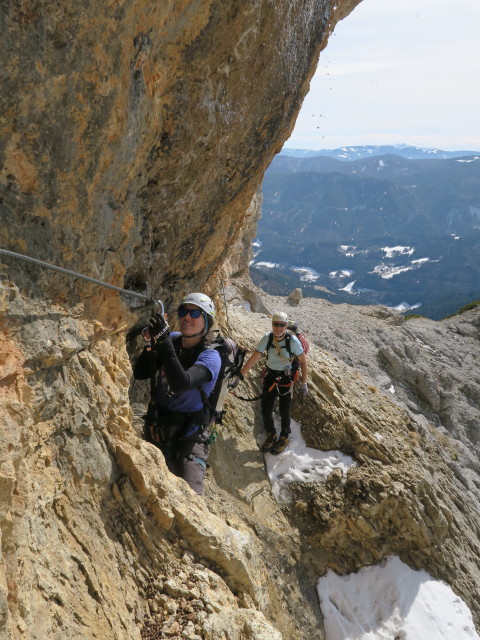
<point>405,306</point>
<point>390,601</point>
<point>391,252</point>
<point>420,261</point>
<point>386,272</point>
<point>267,265</point>
<point>348,287</point>
<point>349,250</point>
<point>308,275</point>
<point>343,273</point>
<point>299,463</point>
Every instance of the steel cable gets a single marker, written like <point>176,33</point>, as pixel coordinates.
<point>67,272</point>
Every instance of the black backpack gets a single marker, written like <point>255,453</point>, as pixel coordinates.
<point>288,335</point>
<point>293,370</point>
<point>232,357</point>
<point>292,328</point>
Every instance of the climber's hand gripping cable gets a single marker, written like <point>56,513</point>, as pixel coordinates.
<point>158,328</point>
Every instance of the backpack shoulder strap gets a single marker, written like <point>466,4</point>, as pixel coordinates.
<point>211,402</point>
<point>270,341</point>
<point>288,335</point>
<point>270,344</point>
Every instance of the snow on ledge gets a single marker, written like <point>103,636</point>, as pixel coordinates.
<point>299,463</point>
<point>391,601</point>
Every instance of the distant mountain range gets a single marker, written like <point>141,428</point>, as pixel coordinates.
<point>380,229</point>
<point>347,154</point>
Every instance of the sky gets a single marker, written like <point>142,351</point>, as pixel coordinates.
<point>382,602</point>
<point>397,72</point>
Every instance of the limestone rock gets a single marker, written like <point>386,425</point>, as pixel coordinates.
<point>295,297</point>
<point>133,142</point>
<point>133,139</point>
<point>422,477</point>
<point>135,135</point>
<point>125,545</point>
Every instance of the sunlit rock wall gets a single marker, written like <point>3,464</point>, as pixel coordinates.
<point>133,139</point>
<point>133,135</point>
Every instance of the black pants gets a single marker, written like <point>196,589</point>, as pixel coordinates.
<point>282,391</point>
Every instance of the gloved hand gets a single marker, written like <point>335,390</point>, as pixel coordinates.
<point>158,328</point>
<point>304,389</point>
<point>235,381</point>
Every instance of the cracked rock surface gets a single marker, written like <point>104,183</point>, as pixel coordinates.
<point>100,540</point>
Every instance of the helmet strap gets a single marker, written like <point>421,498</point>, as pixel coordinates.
<point>204,331</point>
<point>206,322</point>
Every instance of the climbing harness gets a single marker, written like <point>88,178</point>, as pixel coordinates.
<point>247,399</point>
<point>67,272</point>
<point>276,383</point>
<point>290,370</point>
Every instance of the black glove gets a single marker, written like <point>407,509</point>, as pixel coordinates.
<point>158,328</point>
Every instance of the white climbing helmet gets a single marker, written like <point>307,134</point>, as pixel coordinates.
<point>202,301</point>
<point>280,316</point>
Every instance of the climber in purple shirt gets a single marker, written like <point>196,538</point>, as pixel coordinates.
<point>183,372</point>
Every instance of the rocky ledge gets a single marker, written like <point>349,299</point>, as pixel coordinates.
<point>100,541</point>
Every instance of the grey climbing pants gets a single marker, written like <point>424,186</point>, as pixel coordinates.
<point>186,455</point>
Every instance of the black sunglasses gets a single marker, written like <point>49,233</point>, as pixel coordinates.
<point>279,324</point>
<point>183,311</point>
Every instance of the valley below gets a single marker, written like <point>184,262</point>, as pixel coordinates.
<point>384,230</point>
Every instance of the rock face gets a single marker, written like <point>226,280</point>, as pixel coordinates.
<point>133,140</point>
<point>135,135</point>
<point>415,492</point>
